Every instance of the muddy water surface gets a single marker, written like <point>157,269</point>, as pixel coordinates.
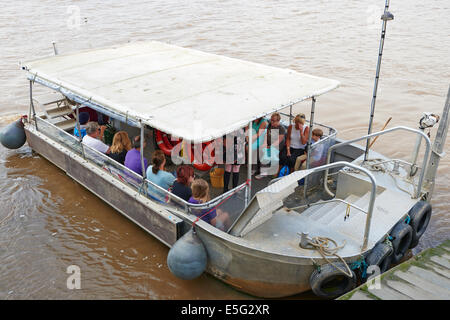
<point>48,222</point>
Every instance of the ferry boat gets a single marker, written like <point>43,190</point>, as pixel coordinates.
<point>327,228</point>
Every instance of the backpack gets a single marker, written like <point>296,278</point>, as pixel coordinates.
<point>284,171</point>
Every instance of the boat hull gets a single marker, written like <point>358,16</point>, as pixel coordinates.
<point>230,258</point>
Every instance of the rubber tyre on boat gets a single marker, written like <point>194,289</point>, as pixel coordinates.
<point>381,256</point>
<point>420,216</point>
<point>402,237</point>
<point>330,283</point>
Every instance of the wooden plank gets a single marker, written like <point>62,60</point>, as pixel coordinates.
<point>411,291</point>
<point>359,295</point>
<point>439,270</point>
<point>430,276</point>
<point>386,293</point>
<point>439,292</point>
<point>441,261</point>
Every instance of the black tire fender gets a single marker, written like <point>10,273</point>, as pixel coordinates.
<point>330,282</point>
<point>402,236</point>
<point>381,256</point>
<point>420,216</point>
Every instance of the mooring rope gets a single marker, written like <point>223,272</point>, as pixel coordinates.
<point>321,244</point>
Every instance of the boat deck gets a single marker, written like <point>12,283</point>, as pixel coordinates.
<point>281,233</point>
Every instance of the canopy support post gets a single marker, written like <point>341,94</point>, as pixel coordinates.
<point>308,145</point>
<point>79,130</point>
<point>32,105</point>
<point>142,152</point>
<point>290,114</point>
<point>249,164</point>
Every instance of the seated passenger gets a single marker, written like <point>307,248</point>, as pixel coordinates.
<point>133,157</point>
<point>157,175</point>
<point>316,153</point>
<point>200,194</point>
<point>296,139</point>
<point>83,119</point>
<point>120,146</point>
<point>181,186</point>
<point>93,136</point>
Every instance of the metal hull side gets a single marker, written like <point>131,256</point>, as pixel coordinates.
<point>157,223</point>
<point>236,261</point>
<point>254,271</point>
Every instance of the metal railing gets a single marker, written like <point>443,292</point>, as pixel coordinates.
<point>372,192</point>
<point>126,176</point>
<point>366,137</point>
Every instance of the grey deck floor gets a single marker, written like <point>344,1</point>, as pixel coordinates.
<point>425,276</point>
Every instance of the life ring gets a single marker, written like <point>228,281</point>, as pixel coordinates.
<point>329,282</point>
<point>402,237</point>
<point>163,142</point>
<point>420,215</point>
<point>207,162</point>
<point>380,256</point>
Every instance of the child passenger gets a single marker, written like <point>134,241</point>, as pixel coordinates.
<point>316,154</point>
<point>200,194</point>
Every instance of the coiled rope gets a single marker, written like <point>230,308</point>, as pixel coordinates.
<point>322,245</point>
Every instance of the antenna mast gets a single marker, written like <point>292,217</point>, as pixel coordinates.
<point>385,17</point>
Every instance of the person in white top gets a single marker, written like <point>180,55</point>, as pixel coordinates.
<point>92,138</point>
<point>296,139</point>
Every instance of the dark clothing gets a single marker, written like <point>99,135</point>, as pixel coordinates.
<point>119,157</point>
<point>182,191</point>
<point>290,161</point>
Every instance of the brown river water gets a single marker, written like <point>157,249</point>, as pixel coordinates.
<point>48,222</point>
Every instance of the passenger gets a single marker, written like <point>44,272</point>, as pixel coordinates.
<point>83,119</point>
<point>236,157</point>
<point>181,186</point>
<point>316,154</point>
<point>133,157</point>
<point>273,149</point>
<point>157,175</point>
<point>120,146</point>
<point>200,194</point>
<point>296,139</point>
<point>259,127</point>
<point>92,138</point>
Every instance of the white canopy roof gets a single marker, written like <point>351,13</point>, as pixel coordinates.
<point>188,93</point>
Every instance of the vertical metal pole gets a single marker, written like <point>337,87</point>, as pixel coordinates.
<point>308,145</point>
<point>249,165</point>
<point>142,152</point>
<point>80,139</point>
<point>385,17</point>
<point>32,105</point>
<point>414,168</point>
<point>290,115</point>
<point>78,123</point>
<point>438,147</point>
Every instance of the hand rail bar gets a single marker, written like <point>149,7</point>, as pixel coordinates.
<point>379,133</point>
<point>328,201</point>
<point>372,193</point>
